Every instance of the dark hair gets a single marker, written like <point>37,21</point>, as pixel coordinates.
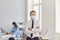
<point>14,23</point>
<point>32,11</point>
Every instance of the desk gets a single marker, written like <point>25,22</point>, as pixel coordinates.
<point>1,34</point>
<point>6,37</point>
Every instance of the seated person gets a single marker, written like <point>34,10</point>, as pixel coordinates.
<point>16,31</point>
<point>33,28</point>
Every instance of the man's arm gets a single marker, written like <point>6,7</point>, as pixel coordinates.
<point>39,29</point>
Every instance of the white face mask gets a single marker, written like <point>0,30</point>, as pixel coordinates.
<point>32,17</point>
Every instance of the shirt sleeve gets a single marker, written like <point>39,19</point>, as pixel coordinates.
<point>38,29</point>
<point>13,31</point>
<point>18,33</point>
<point>26,29</point>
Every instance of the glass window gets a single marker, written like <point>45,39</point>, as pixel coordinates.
<point>35,1</point>
<point>36,8</point>
<point>40,1</point>
<point>40,14</point>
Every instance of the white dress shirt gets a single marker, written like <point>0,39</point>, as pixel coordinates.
<point>35,30</point>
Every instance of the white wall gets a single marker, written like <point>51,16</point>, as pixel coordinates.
<point>49,9</point>
<point>49,16</point>
<point>57,29</point>
<point>11,10</point>
<point>58,16</point>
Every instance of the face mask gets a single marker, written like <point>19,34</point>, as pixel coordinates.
<point>32,17</point>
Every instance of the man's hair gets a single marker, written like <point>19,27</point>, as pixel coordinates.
<point>32,11</point>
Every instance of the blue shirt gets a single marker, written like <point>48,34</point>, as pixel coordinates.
<point>17,32</point>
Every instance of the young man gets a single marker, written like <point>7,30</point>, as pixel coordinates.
<point>33,27</point>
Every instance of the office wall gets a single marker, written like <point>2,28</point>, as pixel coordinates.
<point>11,10</point>
<point>58,16</point>
<point>57,6</point>
<point>49,18</point>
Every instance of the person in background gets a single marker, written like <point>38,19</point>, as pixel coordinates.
<point>33,28</point>
<point>16,31</point>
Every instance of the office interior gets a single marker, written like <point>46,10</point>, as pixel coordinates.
<point>18,11</point>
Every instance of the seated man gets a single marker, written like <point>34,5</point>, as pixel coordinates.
<point>33,28</point>
<point>16,31</point>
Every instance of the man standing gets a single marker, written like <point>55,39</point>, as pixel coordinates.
<point>33,27</point>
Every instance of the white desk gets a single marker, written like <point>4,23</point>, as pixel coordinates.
<point>6,37</point>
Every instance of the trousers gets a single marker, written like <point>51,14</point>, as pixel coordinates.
<point>29,38</point>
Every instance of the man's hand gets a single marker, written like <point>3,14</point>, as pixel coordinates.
<point>30,29</point>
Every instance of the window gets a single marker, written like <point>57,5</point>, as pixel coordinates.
<point>37,6</point>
